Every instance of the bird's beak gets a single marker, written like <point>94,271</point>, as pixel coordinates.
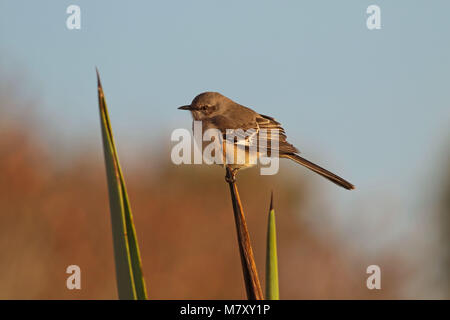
<point>188,107</point>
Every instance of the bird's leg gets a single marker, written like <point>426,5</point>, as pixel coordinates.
<point>232,177</point>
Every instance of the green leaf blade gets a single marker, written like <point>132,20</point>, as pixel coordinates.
<point>130,280</point>
<point>272,290</point>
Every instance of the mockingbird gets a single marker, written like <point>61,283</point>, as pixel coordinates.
<point>219,112</point>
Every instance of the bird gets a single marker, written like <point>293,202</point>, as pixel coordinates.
<point>215,110</point>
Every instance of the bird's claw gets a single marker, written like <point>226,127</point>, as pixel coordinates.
<point>232,177</point>
<point>230,180</point>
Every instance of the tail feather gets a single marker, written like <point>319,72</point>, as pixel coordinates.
<point>323,172</point>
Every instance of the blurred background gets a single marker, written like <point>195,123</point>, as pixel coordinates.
<point>372,106</point>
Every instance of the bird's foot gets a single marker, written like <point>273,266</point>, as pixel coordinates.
<point>232,178</point>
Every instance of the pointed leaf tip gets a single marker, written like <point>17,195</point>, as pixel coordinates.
<point>271,200</point>
<point>99,83</point>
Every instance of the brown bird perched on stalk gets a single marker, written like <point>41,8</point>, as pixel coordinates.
<point>219,112</point>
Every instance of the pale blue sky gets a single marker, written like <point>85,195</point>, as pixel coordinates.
<point>372,105</point>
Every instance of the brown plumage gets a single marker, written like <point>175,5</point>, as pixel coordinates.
<point>219,112</point>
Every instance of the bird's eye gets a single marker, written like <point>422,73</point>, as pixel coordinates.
<point>204,107</point>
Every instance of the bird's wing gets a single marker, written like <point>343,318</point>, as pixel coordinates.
<point>249,131</point>
<point>238,131</point>
<point>271,126</point>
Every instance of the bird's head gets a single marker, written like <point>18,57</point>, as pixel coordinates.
<point>205,105</point>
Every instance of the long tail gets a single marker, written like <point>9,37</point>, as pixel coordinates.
<point>323,172</point>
